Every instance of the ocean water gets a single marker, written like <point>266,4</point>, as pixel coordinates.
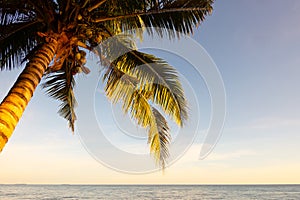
<point>168,192</point>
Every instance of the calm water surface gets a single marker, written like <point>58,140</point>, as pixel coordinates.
<point>71,192</point>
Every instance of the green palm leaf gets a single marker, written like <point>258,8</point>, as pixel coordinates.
<point>16,44</point>
<point>166,17</point>
<point>124,88</point>
<point>18,29</point>
<point>160,138</point>
<point>60,85</point>
<point>119,86</point>
<point>156,77</point>
<point>158,130</point>
<point>159,79</point>
<point>177,16</point>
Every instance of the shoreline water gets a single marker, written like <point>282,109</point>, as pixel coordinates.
<point>147,192</point>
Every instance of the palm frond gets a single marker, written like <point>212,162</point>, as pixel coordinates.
<point>156,77</point>
<point>159,138</point>
<point>60,85</point>
<point>166,17</point>
<point>121,87</point>
<point>11,6</point>
<point>158,130</point>
<point>16,45</point>
<point>17,34</point>
<point>178,15</point>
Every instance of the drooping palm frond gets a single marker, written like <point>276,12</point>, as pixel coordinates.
<point>124,88</point>
<point>136,79</point>
<point>155,76</point>
<point>60,85</point>
<point>158,130</point>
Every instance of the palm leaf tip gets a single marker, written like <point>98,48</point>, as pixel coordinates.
<point>159,138</point>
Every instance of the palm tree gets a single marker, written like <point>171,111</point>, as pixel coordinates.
<point>52,37</point>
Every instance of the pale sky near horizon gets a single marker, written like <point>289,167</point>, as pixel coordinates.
<point>256,46</point>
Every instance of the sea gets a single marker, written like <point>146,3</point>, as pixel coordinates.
<point>143,192</point>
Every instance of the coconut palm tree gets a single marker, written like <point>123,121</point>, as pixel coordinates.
<point>50,38</point>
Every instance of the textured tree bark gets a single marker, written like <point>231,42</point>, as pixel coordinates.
<point>14,104</point>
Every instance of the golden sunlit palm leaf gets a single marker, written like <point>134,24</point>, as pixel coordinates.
<point>159,138</point>
<point>156,77</point>
<point>119,86</point>
<point>123,88</point>
<point>158,130</point>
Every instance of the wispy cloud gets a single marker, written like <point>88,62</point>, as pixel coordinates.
<point>269,123</point>
<point>230,155</point>
<point>192,155</point>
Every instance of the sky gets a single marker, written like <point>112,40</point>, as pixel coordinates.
<point>255,45</point>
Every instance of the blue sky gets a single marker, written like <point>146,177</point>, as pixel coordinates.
<point>255,45</point>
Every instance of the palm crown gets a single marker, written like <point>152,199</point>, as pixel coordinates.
<point>52,36</point>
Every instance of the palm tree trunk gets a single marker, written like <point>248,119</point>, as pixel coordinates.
<point>14,104</point>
